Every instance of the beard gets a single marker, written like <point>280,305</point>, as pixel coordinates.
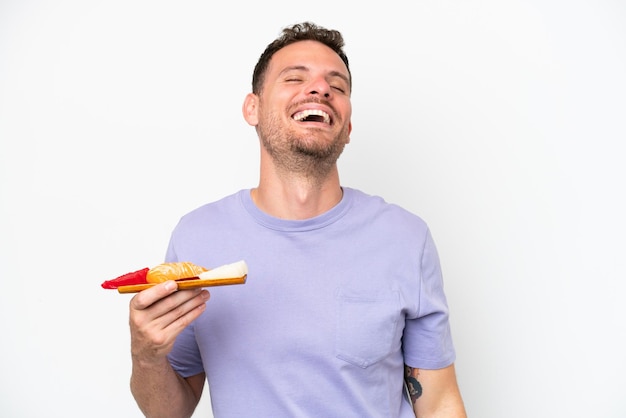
<point>302,154</point>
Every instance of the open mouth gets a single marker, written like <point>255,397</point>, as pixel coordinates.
<point>312,115</point>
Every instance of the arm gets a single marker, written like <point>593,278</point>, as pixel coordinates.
<point>434,393</point>
<point>157,316</point>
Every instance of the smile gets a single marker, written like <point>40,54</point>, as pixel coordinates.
<point>312,115</point>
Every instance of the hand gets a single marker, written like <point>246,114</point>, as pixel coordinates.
<point>158,315</point>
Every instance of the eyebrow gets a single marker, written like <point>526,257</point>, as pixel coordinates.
<point>304,68</point>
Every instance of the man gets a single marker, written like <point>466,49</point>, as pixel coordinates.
<point>344,305</point>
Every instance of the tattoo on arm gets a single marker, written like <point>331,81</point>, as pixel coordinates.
<point>413,385</point>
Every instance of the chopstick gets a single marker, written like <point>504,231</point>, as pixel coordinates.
<point>186,284</point>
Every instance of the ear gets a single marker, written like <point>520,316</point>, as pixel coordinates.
<point>250,109</point>
<point>349,131</point>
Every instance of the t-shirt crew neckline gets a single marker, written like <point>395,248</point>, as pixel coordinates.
<point>320,221</point>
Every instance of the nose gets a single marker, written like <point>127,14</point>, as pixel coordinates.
<point>320,87</point>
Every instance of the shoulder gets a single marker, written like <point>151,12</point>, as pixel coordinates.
<point>223,205</point>
<point>209,215</point>
<point>374,207</point>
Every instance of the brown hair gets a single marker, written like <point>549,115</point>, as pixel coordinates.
<point>305,31</point>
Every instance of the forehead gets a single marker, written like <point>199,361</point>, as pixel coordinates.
<point>310,54</point>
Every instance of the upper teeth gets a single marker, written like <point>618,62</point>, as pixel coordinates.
<point>306,113</point>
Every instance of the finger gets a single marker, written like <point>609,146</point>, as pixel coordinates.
<point>181,309</point>
<point>148,297</point>
<point>154,329</point>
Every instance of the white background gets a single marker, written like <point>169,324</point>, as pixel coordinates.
<point>501,123</point>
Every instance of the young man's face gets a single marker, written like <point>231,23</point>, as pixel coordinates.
<point>304,107</point>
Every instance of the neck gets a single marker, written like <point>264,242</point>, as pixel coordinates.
<point>296,197</point>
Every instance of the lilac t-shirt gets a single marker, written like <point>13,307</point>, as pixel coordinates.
<point>332,309</point>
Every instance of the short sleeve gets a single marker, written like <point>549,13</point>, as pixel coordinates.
<point>185,355</point>
<point>427,341</point>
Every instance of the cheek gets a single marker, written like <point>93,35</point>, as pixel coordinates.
<point>348,118</point>
<point>275,105</point>
<point>346,109</point>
